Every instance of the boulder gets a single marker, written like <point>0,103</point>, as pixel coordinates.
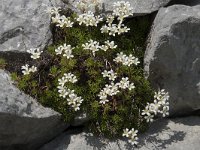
<point>24,123</point>
<point>185,2</point>
<point>165,134</point>
<point>141,7</point>
<point>172,59</point>
<point>25,24</point>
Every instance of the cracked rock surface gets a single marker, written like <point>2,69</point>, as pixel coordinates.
<point>165,134</point>
<point>24,123</point>
<point>25,24</point>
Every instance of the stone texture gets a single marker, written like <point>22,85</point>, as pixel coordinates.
<point>24,124</point>
<point>172,59</point>
<point>165,134</point>
<point>25,24</point>
<point>141,7</point>
<point>185,2</point>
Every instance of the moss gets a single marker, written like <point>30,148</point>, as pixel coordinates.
<point>123,110</point>
<point>2,63</point>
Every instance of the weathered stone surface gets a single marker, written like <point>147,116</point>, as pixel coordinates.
<point>172,59</point>
<point>25,24</point>
<point>24,124</point>
<point>174,134</point>
<point>141,7</point>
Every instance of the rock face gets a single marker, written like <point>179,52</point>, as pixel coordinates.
<point>185,2</point>
<point>24,124</point>
<point>172,59</point>
<point>24,24</point>
<point>141,7</point>
<point>175,134</point>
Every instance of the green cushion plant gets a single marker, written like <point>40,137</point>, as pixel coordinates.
<point>94,66</point>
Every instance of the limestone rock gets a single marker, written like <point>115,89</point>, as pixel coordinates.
<point>24,124</point>
<point>141,7</point>
<point>165,134</point>
<point>25,24</point>
<point>172,59</point>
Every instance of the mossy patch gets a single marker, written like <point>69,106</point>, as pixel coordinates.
<point>123,111</point>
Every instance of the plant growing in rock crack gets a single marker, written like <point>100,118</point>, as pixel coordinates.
<point>93,69</point>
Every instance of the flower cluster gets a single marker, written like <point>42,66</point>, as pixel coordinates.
<point>113,88</point>
<point>108,45</point>
<point>126,60</point>
<point>61,20</point>
<point>35,54</point>
<point>73,100</point>
<point>94,46</point>
<point>121,10</point>
<point>89,19</point>
<point>27,70</point>
<point>160,105</point>
<point>66,50</point>
<point>110,74</point>
<point>132,135</point>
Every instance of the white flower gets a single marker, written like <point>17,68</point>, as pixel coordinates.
<point>131,86</point>
<point>53,10</point>
<point>105,29</point>
<point>122,9</point>
<point>104,48</point>
<point>133,141</point>
<point>113,30</point>
<point>63,21</point>
<point>132,135</point>
<point>165,111</point>
<point>59,50</point>
<point>67,51</point>
<point>26,70</point>
<point>110,19</point>
<point>33,69</point>
<point>126,60</point>
<point>56,18</point>
<point>89,19</point>
<point>92,46</point>
<point>103,101</point>
<point>70,77</point>
<point>124,83</point>
<point>35,53</point>
<point>126,133</point>
<point>154,107</point>
<point>111,44</point>
<point>110,74</point>
<point>146,111</point>
<point>149,118</point>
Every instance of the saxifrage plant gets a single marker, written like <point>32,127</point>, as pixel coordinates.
<point>93,69</point>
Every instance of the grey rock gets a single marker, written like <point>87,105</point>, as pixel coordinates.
<point>166,134</point>
<point>185,2</point>
<point>141,7</point>
<point>24,123</point>
<point>172,59</point>
<point>25,24</point>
